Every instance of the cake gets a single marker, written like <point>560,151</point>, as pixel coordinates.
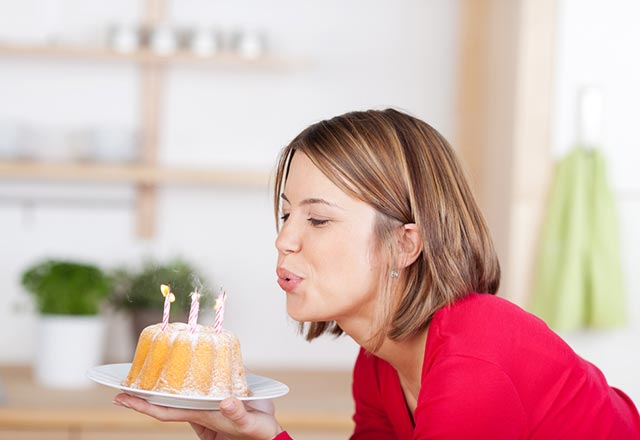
<point>188,360</point>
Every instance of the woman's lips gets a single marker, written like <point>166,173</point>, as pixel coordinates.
<point>288,281</point>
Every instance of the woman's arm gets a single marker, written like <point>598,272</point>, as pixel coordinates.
<point>233,421</point>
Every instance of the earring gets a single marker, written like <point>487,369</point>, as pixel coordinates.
<point>394,274</point>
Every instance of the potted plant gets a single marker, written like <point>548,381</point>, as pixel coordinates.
<point>68,295</point>
<point>138,291</point>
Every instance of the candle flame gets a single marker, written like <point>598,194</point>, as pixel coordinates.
<point>166,290</point>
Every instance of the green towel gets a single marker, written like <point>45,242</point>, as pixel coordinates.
<point>579,275</point>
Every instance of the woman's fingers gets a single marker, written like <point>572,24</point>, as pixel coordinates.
<point>161,413</point>
<point>233,418</point>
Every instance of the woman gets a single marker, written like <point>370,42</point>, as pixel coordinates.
<point>380,238</point>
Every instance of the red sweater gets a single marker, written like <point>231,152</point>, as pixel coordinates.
<point>492,371</point>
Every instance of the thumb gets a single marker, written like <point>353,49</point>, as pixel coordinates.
<point>249,424</point>
<point>235,411</point>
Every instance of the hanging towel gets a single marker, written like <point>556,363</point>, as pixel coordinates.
<point>579,275</point>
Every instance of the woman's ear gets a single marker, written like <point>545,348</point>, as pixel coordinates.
<point>410,244</point>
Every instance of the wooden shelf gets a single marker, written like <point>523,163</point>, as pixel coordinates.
<point>152,68</point>
<point>136,174</point>
<point>145,56</point>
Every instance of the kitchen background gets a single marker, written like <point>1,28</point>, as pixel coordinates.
<point>334,56</point>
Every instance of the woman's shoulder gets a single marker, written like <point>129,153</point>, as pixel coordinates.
<point>489,327</point>
<point>483,336</point>
<point>483,311</point>
<point>482,300</point>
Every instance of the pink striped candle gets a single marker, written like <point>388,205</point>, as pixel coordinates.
<point>168,299</point>
<point>217,324</point>
<point>193,312</point>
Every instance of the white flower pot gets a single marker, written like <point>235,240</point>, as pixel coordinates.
<point>67,347</point>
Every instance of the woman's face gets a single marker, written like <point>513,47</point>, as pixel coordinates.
<point>326,260</point>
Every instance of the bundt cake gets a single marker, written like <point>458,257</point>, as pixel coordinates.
<point>192,362</point>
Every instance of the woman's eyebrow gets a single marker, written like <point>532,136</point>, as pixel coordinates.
<point>312,201</point>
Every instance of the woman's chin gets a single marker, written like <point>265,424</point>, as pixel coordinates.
<point>296,315</point>
<point>304,315</point>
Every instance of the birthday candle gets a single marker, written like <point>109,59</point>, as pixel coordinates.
<point>217,324</point>
<point>193,312</point>
<point>168,299</point>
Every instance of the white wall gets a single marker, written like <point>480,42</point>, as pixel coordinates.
<point>361,53</point>
<point>598,45</point>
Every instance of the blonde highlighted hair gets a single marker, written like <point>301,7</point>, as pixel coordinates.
<point>405,170</point>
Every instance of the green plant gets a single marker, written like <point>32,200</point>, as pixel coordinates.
<point>140,290</point>
<point>67,287</point>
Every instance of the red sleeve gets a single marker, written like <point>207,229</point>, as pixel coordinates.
<point>467,398</point>
<point>370,418</point>
<point>282,436</point>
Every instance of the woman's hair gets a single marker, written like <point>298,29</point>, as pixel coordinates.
<point>405,170</point>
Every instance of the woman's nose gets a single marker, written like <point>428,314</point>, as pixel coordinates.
<point>288,240</point>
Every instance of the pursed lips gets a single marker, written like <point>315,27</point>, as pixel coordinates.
<point>287,280</point>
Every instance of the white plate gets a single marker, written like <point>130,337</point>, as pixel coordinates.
<point>112,375</point>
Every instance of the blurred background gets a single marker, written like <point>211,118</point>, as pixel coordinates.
<point>138,130</point>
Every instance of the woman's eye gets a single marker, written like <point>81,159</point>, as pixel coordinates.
<point>284,217</point>
<point>317,222</point>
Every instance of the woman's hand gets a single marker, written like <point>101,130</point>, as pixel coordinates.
<point>233,421</point>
